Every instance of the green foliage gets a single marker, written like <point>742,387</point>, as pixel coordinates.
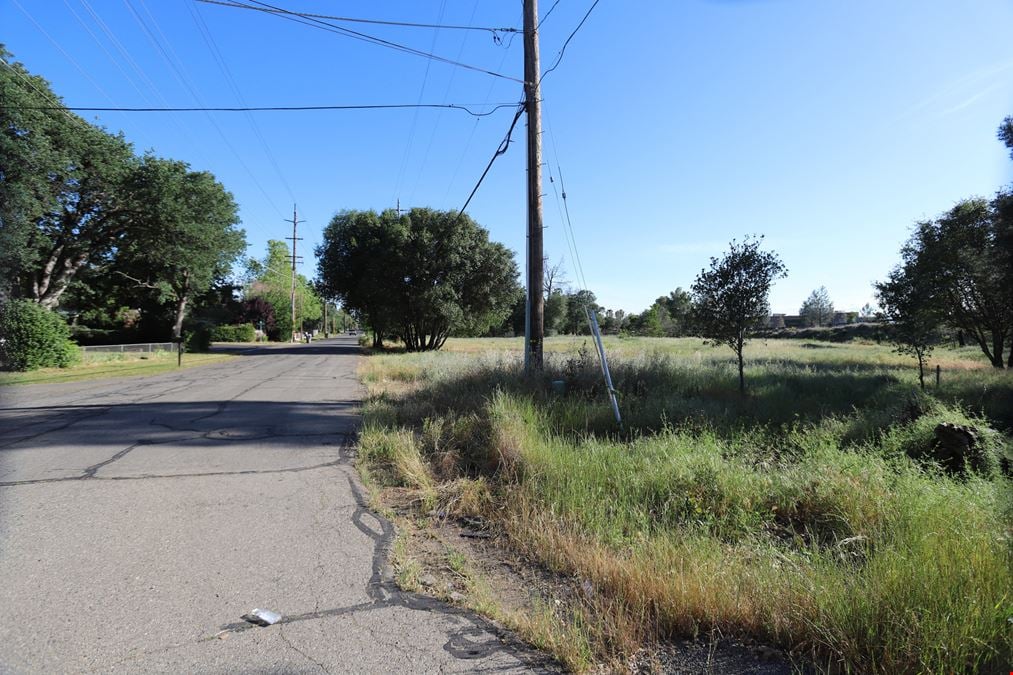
<point>1006,133</point>
<point>197,338</point>
<point>243,332</point>
<point>272,282</point>
<point>675,313</point>
<point>81,215</point>
<point>958,270</point>
<point>817,310</point>
<point>795,516</point>
<point>420,276</point>
<point>183,234</point>
<point>60,194</point>
<point>32,337</point>
<point>574,320</point>
<point>730,299</point>
<point>911,312</point>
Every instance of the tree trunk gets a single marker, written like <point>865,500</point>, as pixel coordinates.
<point>742,376</point>
<point>184,293</point>
<point>998,340</point>
<point>55,276</point>
<point>921,369</point>
<point>177,329</point>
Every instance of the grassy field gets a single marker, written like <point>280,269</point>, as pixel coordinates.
<point>805,515</point>
<point>97,365</point>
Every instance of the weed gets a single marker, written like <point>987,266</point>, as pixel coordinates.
<point>809,514</point>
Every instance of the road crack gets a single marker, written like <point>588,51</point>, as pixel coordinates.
<point>284,638</point>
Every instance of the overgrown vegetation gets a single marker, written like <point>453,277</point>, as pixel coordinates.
<point>33,337</point>
<point>810,514</point>
<point>242,332</point>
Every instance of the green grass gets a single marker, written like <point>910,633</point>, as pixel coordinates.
<point>103,365</point>
<point>804,514</point>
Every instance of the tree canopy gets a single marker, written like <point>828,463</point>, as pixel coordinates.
<point>962,265</point>
<point>418,276</point>
<point>731,298</point>
<point>911,315</point>
<point>81,214</point>
<point>182,232</point>
<point>817,309</point>
<point>271,281</point>
<point>61,188</point>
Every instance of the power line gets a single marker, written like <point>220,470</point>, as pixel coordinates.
<point>474,128</point>
<point>171,58</point>
<point>356,35</point>
<point>503,147</point>
<point>380,106</point>
<point>381,22</point>
<point>546,15</point>
<point>570,236</point>
<point>559,57</point>
<point>212,44</point>
<point>127,58</point>
<point>415,116</point>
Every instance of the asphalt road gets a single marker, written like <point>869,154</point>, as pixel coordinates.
<point>140,518</point>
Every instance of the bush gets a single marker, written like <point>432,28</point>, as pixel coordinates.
<point>243,332</point>
<point>197,339</point>
<point>32,337</point>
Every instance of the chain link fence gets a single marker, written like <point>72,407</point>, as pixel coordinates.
<point>143,348</point>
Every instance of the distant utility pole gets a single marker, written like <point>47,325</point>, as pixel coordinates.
<point>534,327</point>
<point>295,259</point>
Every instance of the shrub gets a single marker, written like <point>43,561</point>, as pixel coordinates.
<point>243,332</point>
<point>197,339</point>
<point>32,337</point>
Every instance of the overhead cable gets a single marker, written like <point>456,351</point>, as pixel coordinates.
<point>559,57</point>
<point>216,53</point>
<point>501,150</point>
<point>392,106</point>
<point>406,24</point>
<point>546,15</point>
<point>355,35</point>
<point>415,115</point>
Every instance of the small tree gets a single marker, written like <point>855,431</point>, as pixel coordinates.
<point>730,299</point>
<point>817,310</point>
<point>908,309</point>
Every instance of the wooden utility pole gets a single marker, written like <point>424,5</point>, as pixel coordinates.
<point>295,259</point>
<point>535,305</point>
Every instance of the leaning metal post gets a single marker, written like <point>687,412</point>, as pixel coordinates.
<point>592,321</point>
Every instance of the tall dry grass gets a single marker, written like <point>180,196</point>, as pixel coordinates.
<point>805,515</point>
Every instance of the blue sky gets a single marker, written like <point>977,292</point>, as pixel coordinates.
<point>828,127</point>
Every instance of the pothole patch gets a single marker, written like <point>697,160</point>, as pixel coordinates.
<point>240,433</point>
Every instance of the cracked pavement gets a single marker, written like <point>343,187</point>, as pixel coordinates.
<point>141,518</point>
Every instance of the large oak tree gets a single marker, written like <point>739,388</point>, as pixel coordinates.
<point>419,276</point>
<point>61,184</point>
<point>183,235</point>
